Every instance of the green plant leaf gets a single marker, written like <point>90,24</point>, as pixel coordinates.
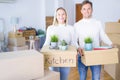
<point>63,43</point>
<point>88,40</point>
<point>54,38</point>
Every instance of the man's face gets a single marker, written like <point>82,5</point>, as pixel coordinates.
<point>86,11</point>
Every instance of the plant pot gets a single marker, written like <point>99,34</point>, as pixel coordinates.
<point>54,44</point>
<point>88,46</point>
<point>64,47</point>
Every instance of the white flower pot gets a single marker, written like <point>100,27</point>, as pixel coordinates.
<point>53,44</point>
<point>64,47</point>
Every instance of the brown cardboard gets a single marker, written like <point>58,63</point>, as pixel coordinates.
<point>15,34</point>
<point>113,31</point>
<point>115,38</point>
<point>27,33</point>
<point>117,76</point>
<point>119,21</point>
<point>16,41</point>
<point>50,75</point>
<point>21,65</point>
<point>15,48</point>
<point>114,69</point>
<point>112,27</point>
<point>59,58</point>
<point>100,57</point>
<point>111,70</point>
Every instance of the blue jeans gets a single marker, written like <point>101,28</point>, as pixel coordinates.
<point>64,72</point>
<point>96,70</point>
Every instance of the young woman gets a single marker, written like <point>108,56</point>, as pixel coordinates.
<point>64,32</point>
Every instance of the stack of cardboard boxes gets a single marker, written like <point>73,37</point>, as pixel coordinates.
<point>113,31</point>
<point>16,41</point>
<point>25,65</point>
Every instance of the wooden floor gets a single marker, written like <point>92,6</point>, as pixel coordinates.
<point>75,76</point>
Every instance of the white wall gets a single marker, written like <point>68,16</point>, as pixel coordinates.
<point>30,12</point>
<point>50,7</point>
<point>33,12</point>
<point>59,3</point>
<point>105,10</point>
<point>70,8</point>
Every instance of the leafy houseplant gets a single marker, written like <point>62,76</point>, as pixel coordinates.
<point>54,38</point>
<point>88,40</point>
<point>63,45</point>
<point>88,43</point>
<point>54,41</point>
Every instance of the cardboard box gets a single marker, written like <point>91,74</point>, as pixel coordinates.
<point>100,57</point>
<point>28,33</point>
<point>111,70</point>
<point>16,41</point>
<point>117,76</point>
<point>50,75</point>
<point>113,31</point>
<point>21,65</point>
<point>115,38</point>
<point>59,58</point>
<point>15,48</point>
<point>114,69</point>
<point>112,27</point>
<point>15,34</point>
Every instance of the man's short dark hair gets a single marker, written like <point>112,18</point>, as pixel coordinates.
<point>87,2</point>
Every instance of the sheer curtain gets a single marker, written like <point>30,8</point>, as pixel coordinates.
<point>2,30</point>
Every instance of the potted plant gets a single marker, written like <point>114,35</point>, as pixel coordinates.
<point>88,43</point>
<point>54,41</point>
<point>63,45</point>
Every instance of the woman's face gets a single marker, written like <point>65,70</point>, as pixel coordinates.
<point>86,11</point>
<point>61,16</point>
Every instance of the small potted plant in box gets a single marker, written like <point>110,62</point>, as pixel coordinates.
<point>54,41</point>
<point>63,45</point>
<point>88,43</point>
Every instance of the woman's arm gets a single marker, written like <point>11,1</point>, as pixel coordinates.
<point>47,40</point>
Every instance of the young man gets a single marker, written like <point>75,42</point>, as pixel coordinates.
<point>89,27</point>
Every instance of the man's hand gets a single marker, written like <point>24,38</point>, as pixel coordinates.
<point>80,51</point>
<point>114,46</point>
